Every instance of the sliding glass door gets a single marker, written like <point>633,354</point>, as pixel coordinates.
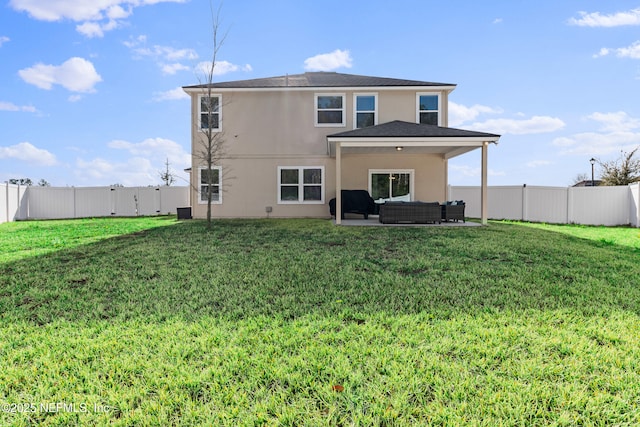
<point>386,185</point>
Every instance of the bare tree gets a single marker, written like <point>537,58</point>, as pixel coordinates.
<point>166,175</point>
<point>211,138</point>
<point>623,171</point>
<point>580,178</point>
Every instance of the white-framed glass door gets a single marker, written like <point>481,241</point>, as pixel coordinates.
<point>391,184</point>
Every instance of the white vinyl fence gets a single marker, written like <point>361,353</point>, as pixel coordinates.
<point>559,205</point>
<point>20,202</point>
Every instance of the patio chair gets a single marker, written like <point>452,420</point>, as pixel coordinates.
<point>453,211</point>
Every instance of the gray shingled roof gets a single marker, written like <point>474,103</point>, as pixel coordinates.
<point>401,129</point>
<point>319,79</point>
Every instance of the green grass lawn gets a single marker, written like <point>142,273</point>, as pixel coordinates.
<point>151,321</point>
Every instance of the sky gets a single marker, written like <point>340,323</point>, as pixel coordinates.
<point>90,91</point>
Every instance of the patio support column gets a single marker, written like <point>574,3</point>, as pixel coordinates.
<point>338,184</point>
<point>483,203</point>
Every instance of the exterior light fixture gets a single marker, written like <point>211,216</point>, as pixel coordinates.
<point>398,148</point>
<point>593,162</point>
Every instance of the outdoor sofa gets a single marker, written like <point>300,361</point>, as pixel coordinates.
<point>410,212</point>
<point>355,201</point>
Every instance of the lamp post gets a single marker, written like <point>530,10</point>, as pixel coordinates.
<point>593,162</point>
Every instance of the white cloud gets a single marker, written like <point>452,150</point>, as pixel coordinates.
<point>96,29</point>
<point>142,168</point>
<point>221,68</point>
<point>136,171</point>
<point>27,152</point>
<point>596,19</point>
<point>459,114</point>
<point>97,16</point>
<point>9,106</point>
<point>329,61</point>
<point>170,95</point>
<point>598,144</point>
<point>166,57</point>
<point>616,132</point>
<point>619,121</point>
<point>155,148</point>
<point>173,68</point>
<point>632,51</point>
<point>75,74</point>
<point>3,40</point>
<point>497,21</point>
<point>534,125</point>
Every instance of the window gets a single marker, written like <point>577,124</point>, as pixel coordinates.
<point>203,175</point>
<point>209,112</point>
<point>428,109</point>
<point>391,185</point>
<point>300,184</point>
<point>329,109</point>
<point>365,110</point>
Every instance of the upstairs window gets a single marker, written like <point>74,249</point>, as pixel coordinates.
<point>428,109</point>
<point>329,109</point>
<point>365,114</point>
<point>209,112</point>
<point>300,184</point>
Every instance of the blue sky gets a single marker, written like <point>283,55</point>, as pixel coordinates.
<point>90,90</point>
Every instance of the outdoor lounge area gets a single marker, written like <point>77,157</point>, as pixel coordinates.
<point>359,202</point>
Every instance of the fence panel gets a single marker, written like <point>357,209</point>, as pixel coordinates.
<point>125,201</point>
<point>505,202</point>
<point>4,203</point>
<point>172,198</point>
<point>471,197</point>
<point>149,201</point>
<point>546,204</point>
<point>51,202</point>
<point>634,211</point>
<point>92,202</point>
<point>600,205</point>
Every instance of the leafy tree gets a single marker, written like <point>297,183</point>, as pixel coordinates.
<point>21,181</point>
<point>623,171</point>
<point>44,183</point>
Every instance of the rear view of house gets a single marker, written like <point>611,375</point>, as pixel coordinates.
<point>292,142</point>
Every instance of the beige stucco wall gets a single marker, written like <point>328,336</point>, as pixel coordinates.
<point>263,130</point>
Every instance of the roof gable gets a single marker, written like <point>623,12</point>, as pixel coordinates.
<point>320,80</point>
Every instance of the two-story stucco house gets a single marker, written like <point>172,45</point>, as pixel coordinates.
<point>292,142</point>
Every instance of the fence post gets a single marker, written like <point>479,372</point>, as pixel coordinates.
<point>525,203</point>
<point>6,199</point>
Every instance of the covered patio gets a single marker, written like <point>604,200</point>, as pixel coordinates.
<point>395,137</point>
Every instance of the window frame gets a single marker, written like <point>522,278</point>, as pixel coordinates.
<point>356,111</point>
<point>343,110</point>
<point>410,172</point>
<point>219,184</point>
<point>300,185</point>
<point>200,112</point>
<point>438,111</point>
